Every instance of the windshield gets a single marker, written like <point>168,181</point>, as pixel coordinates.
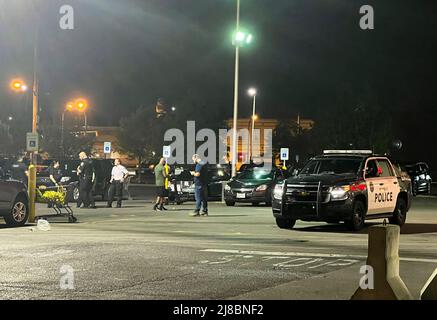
<point>255,175</point>
<point>332,166</point>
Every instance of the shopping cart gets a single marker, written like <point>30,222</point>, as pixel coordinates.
<point>56,198</point>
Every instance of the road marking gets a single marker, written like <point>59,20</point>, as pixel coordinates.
<point>307,254</point>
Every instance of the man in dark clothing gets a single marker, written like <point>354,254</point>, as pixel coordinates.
<point>86,176</point>
<point>55,173</point>
<point>200,187</point>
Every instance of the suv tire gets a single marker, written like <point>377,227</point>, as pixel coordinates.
<point>284,223</point>
<point>358,217</point>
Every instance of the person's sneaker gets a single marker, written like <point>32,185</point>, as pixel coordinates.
<point>204,213</point>
<point>163,208</point>
<point>195,213</point>
<point>155,207</point>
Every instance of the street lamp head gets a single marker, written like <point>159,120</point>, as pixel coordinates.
<point>69,106</point>
<point>10,118</point>
<point>173,109</point>
<point>18,85</point>
<point>255,117</point>
<point>252,92</point>
<point>242,38</point>
<point>81,104</point>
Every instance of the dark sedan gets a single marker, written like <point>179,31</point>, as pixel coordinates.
<point>14,203</point>
<point>253,186</point>
<point>217,175</point>
<point>420,177</point>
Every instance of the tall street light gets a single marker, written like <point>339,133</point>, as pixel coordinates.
<point>241,38</point>
<point>69,107</point>
<point>82,105</point>
<point>252,92</point>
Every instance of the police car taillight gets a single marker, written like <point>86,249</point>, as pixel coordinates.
<point>358,186</point>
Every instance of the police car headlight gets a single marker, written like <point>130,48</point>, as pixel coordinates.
<point>262,187</point>
<point>339,193</point>
<point>278,191</point>
<point>227,188</point>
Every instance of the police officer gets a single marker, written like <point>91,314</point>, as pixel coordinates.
<point>87,177</point>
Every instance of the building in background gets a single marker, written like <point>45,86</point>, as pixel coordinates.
<point>245,146</point>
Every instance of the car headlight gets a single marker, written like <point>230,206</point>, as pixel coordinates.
<point>278,191</point>
<point>339,193</point>
<point>262,187</point>
<point>227,188</point>
<point>65,179</point>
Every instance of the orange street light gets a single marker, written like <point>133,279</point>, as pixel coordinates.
<point>81,104</point>
<point>18,85</point>
<point>69,106</point>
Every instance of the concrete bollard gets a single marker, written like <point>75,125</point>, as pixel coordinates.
<point>383,257</point>
<point>429,290</point>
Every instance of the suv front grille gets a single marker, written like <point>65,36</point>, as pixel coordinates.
<point>307,192</point>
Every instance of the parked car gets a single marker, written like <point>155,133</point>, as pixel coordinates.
<point>70,179</point>
<point>216,176</point>
<point>420,177</point>
<point>14,202</point>
<point>253,185</point>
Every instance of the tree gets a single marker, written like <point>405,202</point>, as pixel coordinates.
<point>141,135</point>
<point>74,142</point>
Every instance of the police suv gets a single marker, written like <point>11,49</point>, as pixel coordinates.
<point>344,185</point>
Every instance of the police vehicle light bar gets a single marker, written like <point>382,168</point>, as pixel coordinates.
<point>348,152</point>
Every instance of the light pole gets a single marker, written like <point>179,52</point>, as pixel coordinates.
<point>82,105</point>
<point>240,39</point>
<point>69,107</point>
<point>252,92</point>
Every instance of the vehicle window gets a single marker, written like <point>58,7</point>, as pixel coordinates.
<point>386,168</point>
<point>372,169</point>
<point>218,175</point>
<point>332,166</point>
<point>256,174</point>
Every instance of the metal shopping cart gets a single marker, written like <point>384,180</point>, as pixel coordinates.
<point>56,198</point>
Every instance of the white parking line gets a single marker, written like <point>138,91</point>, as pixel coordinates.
<point>307,254</point>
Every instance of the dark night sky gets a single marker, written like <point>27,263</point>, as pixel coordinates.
<point>127,53</point>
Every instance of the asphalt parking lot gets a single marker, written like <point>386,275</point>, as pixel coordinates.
<point>235,253</point>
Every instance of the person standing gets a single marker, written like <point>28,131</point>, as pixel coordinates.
<point>160,175</point>
<point>87,177</point>
<point>200,186</point>
<point>55,173</point>
<point>118,175</point>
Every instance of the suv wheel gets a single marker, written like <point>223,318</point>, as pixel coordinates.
<point>358,216</point>
<point>230,203</point>
<point>19,213</point>
<point>285,223</point>
<point>400,214</point>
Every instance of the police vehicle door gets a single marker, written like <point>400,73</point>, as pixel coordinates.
<point>382,186</point>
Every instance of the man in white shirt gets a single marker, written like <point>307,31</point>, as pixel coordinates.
<point>118,175</point>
